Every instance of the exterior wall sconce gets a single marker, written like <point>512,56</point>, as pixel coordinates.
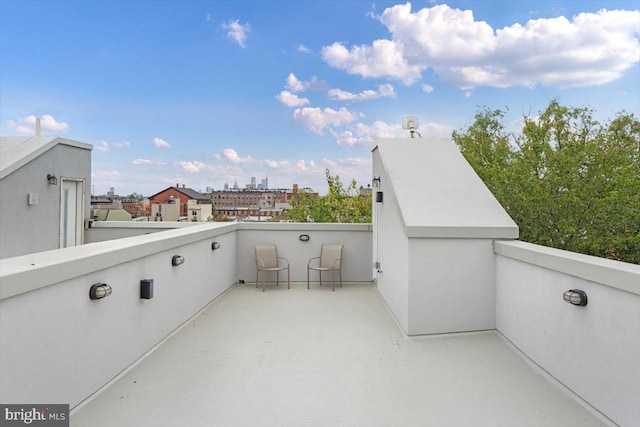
<point>215,245</point>
<point>99,291</point>
<point>52,179</point>
<point>304,237</point>
<point>375,182</point>
<point>575,297</point>
<point>177,260</point>
<point>146,288</point>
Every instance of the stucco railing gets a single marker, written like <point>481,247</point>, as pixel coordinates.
<point>59,346</point>
<point>593,350</point>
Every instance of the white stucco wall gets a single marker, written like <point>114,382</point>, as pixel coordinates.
<point>36,228</point>
<point>58,346</point>
<point>390,248</point>
<point>451,285</point>
<point>356,239</point>
<point>593,350</point>
<point>433,235</point>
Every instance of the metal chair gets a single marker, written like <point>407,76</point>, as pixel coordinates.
<point>330,260</point>
<point>267,260</point>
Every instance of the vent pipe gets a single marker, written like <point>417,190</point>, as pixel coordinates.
<point>37,126</point>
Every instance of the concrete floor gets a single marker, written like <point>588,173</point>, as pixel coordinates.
<point>321,358</point>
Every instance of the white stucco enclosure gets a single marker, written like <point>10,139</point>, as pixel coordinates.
<point>433,234</point>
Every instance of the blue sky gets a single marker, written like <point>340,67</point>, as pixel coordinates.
<point>205,93</point>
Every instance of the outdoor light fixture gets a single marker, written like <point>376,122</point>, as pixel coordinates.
<point>177,260</point>
<point>146,288</point>
<point>99,291</point>
<point>53,180</point>
<point>575,297</point>
<point>215,245</point>
<point>376,182</point>
<point>304,237</point>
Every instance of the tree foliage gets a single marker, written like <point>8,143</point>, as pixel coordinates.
<point>567,180</point>
<point>340,204</point>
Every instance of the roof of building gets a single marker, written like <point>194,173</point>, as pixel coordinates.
<point>17,151</point>
<point>455,203</point>
<point>189,192</point>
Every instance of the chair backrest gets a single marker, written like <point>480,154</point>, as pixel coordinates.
<point>328,255</point>
<point>268,254</point>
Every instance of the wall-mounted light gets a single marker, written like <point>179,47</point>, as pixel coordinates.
<point>575,297</point>
<point>52,179</point>
<point>304,237</point>
<point>375,182</point>
<point>99,291</point>
<point>215,245</point>
<point>146,288</point>
<point>177,260</point>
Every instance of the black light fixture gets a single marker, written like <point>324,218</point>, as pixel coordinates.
<point>304,237</point>
<point>146,288</point>
<point>376,182</point>
<point>215,245</point>
<point>99,291</point>
<point>52,179</point>
<point>575,297</point>
<point>177,260</point>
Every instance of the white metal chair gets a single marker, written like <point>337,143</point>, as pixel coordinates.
<point>267,260</point>
<point>330,260</point>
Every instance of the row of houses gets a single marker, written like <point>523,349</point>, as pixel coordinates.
<point>179,203</point>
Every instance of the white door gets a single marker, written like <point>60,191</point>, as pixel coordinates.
<point>71,216</point>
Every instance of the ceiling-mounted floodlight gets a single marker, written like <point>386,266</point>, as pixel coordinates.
<point>411,124</point>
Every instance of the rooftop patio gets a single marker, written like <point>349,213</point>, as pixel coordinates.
<point>319,358</point>
<point>444,319</point>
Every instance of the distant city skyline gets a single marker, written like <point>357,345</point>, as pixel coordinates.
<point>213,92</point>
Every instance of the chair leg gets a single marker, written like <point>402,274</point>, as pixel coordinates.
<point>257,271</point>
<point>320,274</point>
<point>340,274</point>
<point>288,279</point>
<point>333,280</point>
<point>307,277</point>
<point>277,277</point>
<point>263,279</point>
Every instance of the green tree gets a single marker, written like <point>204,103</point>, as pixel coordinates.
<point>340,204</point>
<point>567,180</point>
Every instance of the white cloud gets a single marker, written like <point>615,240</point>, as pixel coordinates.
<point>303,48</point>
<point>273,164</point>
<point>467,94</point>
<point>427,88</point>
<point>589,49</point>
<point>147,162</point>
<point>121,145</point>
<point>296,85</point>
<point>161,143</point>
<point>291,100</point>
<point>237,32</point>
<point>232,155</point>
<point>48,125</point>
<point>102,146</point>
<point>316,119</point>
<point>142,162</point>
<point>384,90</point>
<point>382,59</point>
<point>192,167</point>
